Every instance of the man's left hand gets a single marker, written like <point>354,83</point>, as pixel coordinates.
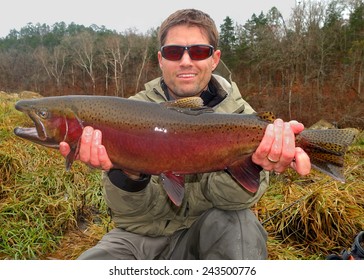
<point>277,150</point>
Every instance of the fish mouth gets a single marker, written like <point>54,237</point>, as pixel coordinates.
<point>38,133</point>
<point>31,134</point>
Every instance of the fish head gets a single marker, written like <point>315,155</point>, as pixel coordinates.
<point>53,122</point>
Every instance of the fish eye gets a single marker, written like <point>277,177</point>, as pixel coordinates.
<point>43,113</point>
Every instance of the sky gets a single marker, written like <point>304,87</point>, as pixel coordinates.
<point>121,15</point>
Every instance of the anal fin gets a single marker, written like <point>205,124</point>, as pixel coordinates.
<point>247,173</point>
<point>174,186</point>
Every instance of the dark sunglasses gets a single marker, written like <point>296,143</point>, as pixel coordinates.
<point>196,52</point>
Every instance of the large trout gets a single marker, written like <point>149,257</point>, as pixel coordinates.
<point>168,140</point>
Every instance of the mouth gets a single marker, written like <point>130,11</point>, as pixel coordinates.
<point>36,134</point>
<point>186,76</point>
<point>29,133</point>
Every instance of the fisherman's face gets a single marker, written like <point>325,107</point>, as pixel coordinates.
<point>187,77</point>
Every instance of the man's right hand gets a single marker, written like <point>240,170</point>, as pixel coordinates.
<point>91,152</point>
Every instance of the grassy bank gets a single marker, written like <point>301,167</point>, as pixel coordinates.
<point>46,212</point>
<point>39,201</point>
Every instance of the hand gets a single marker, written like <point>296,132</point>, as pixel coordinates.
<point>91,152</point>
<point>277,150</point>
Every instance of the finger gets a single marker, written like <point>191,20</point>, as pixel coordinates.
<point>105,162</point>
<point>288,145</point>
<point>95,143</point>
<point>64,149</point>
<point>296,127</point>
<point>263,149</point>
<point>288,149</point>
<point>85,146</point>
<point>302,163</point>
<point>274,154</point>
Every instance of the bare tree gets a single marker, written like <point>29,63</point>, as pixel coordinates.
<point>144,61</point>
<point>357,65</point>
<point>53,62</point>
<point>84,52</point>
<point>116,52</point>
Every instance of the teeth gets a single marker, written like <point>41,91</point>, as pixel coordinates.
<point>186,75</point>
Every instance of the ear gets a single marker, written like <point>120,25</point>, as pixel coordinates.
<point>160,58</point>
<point>216,59</point>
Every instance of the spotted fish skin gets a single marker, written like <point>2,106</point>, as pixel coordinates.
<point>172,139</point>
<point>326,149</point>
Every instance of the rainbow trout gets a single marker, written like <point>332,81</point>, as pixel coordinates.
<point>170,140</point>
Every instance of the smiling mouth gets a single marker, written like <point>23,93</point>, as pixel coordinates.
<point>186,75</point>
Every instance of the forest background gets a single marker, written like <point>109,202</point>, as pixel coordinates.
<point>307,67</point>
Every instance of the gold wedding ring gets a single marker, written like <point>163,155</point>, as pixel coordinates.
<point>271,160</point>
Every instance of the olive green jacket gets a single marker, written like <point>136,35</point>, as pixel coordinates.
<point>150,211</point>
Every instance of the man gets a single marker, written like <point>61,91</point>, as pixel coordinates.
<point>214,220</point>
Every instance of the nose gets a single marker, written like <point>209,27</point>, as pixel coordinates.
<point>186,59</point>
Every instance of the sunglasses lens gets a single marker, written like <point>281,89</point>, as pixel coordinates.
<point>196,52</point>
<point>173,52</point>
<point>200,52</point>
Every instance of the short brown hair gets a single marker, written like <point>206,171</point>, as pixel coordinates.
<point>190,17</point>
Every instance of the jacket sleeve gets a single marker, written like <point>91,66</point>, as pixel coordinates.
<point>227,194</point>
<point>138,205</point>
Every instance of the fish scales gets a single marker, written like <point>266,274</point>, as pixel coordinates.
<point>167,139</point>
<point>152,138</point>
<point>170,141</point>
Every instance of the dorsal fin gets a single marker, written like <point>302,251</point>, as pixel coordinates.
<point>267,116</point>
<point>188,105</point>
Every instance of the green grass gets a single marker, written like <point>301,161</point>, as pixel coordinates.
<point>46,212</point>
<point>39,200</point>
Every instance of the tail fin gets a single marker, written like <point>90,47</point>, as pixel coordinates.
<point>326,149</point>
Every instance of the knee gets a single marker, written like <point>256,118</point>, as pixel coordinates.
<point>242,228</point>
<point>227,218</point>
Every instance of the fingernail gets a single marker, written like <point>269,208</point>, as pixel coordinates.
<point>287,132</point>
<point>97,138</point>
<point>101,150</point>
<point>278,122</point>
<point>87,133</point>
<point>62,148</point>
<point>87,130</point>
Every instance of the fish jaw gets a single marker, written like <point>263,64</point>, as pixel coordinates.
<point>55,120</point>
<point>36,134</point>
<point>32,134</point>
<point>53,123</point>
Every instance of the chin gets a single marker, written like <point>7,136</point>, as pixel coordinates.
<point>190,93</point>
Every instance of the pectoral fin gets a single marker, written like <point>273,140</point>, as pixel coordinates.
<point>174,186</point>
<point>246,173</point>
<point>70,158</point>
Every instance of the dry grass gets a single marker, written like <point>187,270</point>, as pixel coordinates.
<point>315,216</point>
<point>47,213</point>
